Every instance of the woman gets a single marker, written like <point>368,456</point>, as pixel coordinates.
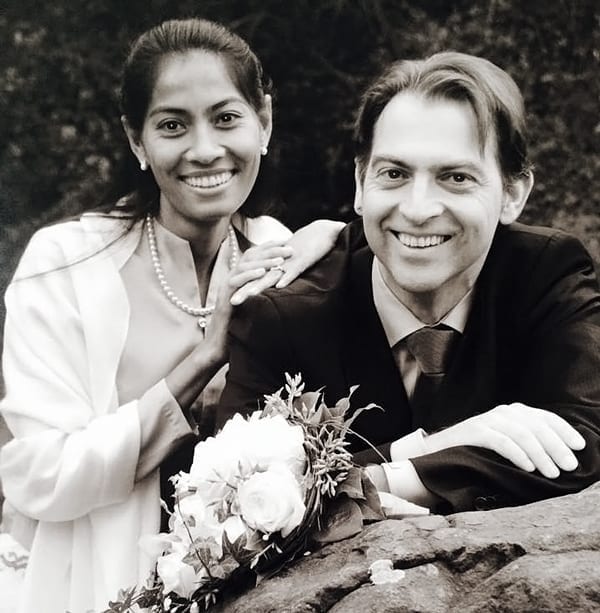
<point>116,323</point>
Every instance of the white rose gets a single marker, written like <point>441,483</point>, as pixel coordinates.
<point>234,527</point>
<point>177,576</point>
<point>215,467</point>
<point>193,519</point>
<point>241,447</point>
<point>271,501</point>
<point>154,545</point>
<point>272,440</point>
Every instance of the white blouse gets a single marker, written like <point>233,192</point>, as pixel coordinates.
<point>153,350</point>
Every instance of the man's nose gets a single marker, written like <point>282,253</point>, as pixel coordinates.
<point>204,146</point>
<point>421,200</point>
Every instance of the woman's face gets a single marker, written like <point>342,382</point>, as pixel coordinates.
<point>202,141</point>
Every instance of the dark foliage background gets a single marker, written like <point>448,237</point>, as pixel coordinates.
<point>61,140</point>
<point>60,137</point>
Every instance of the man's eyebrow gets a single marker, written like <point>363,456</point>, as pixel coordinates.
<point>459,164</point>
<point>463,164</point>
<point>389,159</point>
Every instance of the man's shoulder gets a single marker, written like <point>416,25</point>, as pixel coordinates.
<point>523,243</point>
<point>530,235</point>
<point>528,264</point>
<point>329,276</point>
<point>320,293</point>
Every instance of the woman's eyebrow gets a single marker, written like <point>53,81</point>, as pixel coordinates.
<point>167,110</point>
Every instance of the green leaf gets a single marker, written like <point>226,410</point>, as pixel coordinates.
<point>238,550</point>
<point>342,519</point>
<point>310,400</point>
<point>348,423</point>
<point>352,485</point>
<point>371,506</point>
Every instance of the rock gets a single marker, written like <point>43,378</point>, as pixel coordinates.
<point>542,557</point>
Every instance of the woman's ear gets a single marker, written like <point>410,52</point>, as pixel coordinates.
<point>265,117</point>
<point>358,189</point>
<point>515,197</point>
<point>135,143</point>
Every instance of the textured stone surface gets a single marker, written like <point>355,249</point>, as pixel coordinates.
<point>542,557</point>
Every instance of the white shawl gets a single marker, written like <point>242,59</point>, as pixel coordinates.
<point>72,463</point>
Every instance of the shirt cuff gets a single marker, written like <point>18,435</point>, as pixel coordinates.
<point>410,446</point>
<point>163,427</point>
<point>393,473</point>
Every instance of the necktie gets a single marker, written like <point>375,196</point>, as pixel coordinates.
<point>431,348</point>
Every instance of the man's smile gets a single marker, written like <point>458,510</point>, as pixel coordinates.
<point>421,241</point>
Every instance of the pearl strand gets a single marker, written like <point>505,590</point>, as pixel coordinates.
<point>203,312</point>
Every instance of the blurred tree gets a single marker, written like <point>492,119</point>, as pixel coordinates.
<point>61,139</point>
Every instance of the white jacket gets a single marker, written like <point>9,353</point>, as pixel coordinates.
<point>72,463</point>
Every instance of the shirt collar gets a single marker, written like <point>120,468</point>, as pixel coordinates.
<point>398,321</point>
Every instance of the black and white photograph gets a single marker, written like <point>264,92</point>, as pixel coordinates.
<point>300,306</point>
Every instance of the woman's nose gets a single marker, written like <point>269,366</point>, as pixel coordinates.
<point>205,146</point>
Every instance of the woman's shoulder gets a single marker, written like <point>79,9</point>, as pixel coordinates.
<point>58,245</point>
<point>261,229</point>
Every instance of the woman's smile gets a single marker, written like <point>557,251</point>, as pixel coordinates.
<point>210,180</point>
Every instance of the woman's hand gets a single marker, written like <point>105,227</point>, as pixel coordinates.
<point>530,438</point>
<point>259,267</point>
<point>278,264</point>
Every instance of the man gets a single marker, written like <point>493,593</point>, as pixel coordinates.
<point>441,177</point>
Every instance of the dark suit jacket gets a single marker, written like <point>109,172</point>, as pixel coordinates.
<point>533,336</point>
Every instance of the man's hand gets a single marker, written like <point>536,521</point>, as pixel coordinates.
<point>530,438</point>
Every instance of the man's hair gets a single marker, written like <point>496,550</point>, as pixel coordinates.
<point>492,94</point>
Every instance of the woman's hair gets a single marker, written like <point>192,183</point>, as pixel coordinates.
<point>492,94</point>
<point>139,76</point>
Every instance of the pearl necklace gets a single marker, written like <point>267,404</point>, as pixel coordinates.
<point>201,313</point>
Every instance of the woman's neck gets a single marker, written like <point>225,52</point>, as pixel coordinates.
<point>205,240</point>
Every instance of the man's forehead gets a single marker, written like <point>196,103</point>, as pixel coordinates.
<point>412,124</point>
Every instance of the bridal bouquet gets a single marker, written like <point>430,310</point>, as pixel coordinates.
<point>260,493</point>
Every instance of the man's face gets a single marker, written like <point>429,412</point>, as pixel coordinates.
<point>431,201</point>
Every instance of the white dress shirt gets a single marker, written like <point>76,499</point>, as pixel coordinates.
<point>398,323</point>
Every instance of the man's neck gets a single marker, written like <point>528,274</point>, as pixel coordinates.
<point>430,306</point>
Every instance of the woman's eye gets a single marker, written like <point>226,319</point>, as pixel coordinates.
<point>171,125</point>
<point>227,119</point>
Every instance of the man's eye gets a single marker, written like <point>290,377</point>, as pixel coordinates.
<point>458,178</point>
<point>393,173</point>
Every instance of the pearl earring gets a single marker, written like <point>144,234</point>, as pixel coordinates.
<point>264,150</point>
<point>143,165</point>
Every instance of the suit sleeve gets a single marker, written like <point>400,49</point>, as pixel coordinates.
<point>259,356</point>
<point>266,342</point>
<point>559,370</point>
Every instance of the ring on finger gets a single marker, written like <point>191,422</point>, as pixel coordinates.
<point>277,267</point>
